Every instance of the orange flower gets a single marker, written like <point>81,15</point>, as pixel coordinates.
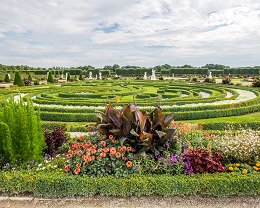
<point>103,143</point>
<point>114,141</point>
<point>73,152</point>
<point>104,136</point>
<point>119,149</point>
<point>102,154</point>
<point>100,150</point>
<point>66,169</point>
<point>200,127</point>
<point>123,148</point>
<point>118,155</point>
<point>79,152</point>
<point>129,148</point>
<point>93,151</point>
<point>69,156</point>
<point>129,164</point>
<point>78,165</point>
<point>106,149</point>
<point>108,164</point>
<point>84,163</point>
<point>98,158</point>
<point>76,171</point>
<point>112,151</point>
<point>94,146</point>
<point>124,158</point>
<point>88,143</point>
<point>110,136</point>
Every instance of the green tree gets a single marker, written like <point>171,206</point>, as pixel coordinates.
<point>18,79</point>
<point>68,76</point>
<point>30,78</point>
<point>50,77</point>
<point>7,79</point>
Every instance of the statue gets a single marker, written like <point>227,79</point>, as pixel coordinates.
<point>153,77</point>
<point>210,76</point>
<point>90,75</point>
<point>100,75</point>
<point>145,75</point>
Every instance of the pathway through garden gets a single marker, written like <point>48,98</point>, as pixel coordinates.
<point>136,202</point>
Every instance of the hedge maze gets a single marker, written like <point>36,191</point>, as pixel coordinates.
<point>76,102</point>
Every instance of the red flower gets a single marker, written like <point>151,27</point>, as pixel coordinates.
<point>111,136</point>
<point>76,171</point>
<point>119,149</point>
<point>129,164</point>
<point>79,152</point>
<point>66,169</point>
<point>106,149</point>
<point>88,143</point>
<point>81,138</point>
<point>78,165</point>
<point>104,136</point>
<point>93,151</point>
<point>98,158</point>
<point>114,141</point>
<point>103,154</point>
<point>108,164</point>
<point>69,156</point>
<point>200,127</point>
<point>103,143</point>
<point>123,148</point>
<point>124,158</point>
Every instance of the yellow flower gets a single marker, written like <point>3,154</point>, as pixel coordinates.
<point>230,169</point>
<point>237,164</point>
<point>256,168</point>
<point>117,99</point>
<point>245,171</point>
<point>258,164</point>
<point>69,150</point>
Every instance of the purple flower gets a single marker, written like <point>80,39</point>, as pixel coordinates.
<point>188,167</point>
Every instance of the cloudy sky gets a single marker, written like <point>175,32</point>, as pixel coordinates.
<point>46,33</point>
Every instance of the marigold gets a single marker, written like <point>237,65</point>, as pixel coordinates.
<point>79,165</point>
<point>69,151</point>
<point>119,149</point>
<point>76,171</point>
<point>98,158</point>
<point>230,168</point>
<point>103,154</point>
<point>103,143</point>
<point>123,148</point>
<point>114,141</point>
<point>245,171</point>
<point>110,136</point>
<point>258,164</point>
<point>104,136</point>
<point>256,168</point>
<point>93,151</point>
<point>237,164</point>
<point>117,99</point>
<point>100,150</point>
<point>129,164</point>
<point>118,155</point>
<point>88,143</point>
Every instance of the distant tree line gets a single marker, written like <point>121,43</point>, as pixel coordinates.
<point>166,69</point>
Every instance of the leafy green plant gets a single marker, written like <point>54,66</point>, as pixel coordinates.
<point>18,79</point>
<point>50,77</point>
<point>7,79</point>
<point>145,132</point>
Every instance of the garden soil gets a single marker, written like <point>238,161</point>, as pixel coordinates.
<point>133,202</point>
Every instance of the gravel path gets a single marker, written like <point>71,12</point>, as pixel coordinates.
<point>129,202</point>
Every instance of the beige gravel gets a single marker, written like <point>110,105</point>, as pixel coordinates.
<point>140,202</point>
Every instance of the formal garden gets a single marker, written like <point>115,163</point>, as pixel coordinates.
<point>136,137</point>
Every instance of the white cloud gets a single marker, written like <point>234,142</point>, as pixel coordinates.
<point>137,32</point>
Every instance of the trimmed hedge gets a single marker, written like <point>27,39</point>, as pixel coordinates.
<point>57,184</point>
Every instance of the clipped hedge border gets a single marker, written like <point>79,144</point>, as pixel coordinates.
<point>54,185</point>
<point>225,125</point>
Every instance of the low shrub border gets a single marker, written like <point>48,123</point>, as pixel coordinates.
<point>58,184</point>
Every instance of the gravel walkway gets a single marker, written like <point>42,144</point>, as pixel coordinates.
<point>129,202</point>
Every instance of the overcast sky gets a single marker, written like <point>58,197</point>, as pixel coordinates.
<point>46,33</point>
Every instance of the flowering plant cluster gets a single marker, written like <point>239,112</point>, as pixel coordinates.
<point>243,168</point>
<point>99,156</point>
<point>242,146</point>
<point>165,163</point>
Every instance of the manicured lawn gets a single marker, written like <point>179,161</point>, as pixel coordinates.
<point>252,117</point>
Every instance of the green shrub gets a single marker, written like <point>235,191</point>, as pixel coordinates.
<point>50,77</point>
<point>7,79</point>
<point>18,79</point>
<point>26,138</point>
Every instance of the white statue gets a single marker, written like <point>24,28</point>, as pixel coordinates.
<point>96,76</point>
<point>90,75</point>
<point>100,75</point>
<point>66,76</point>
<point>145,75</point>
<point>210,76</point>
<point>153,77</point>
<point>9,76</point>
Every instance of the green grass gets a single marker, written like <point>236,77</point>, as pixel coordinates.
<point>252,117</point>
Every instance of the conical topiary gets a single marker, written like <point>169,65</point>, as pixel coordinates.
<point>18,79</point>
<point>30,78</point>
<point>50,78</point>
<point>7,79</point>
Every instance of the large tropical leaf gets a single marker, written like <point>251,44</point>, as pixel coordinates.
<point>126,125</point>
<point>168,120</point>
<point>114,116</point>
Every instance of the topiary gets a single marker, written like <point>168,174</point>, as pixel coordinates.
<point>50,78</point>
<point>7,78</point>
<point>30,78</point>
<point>18,79</point>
